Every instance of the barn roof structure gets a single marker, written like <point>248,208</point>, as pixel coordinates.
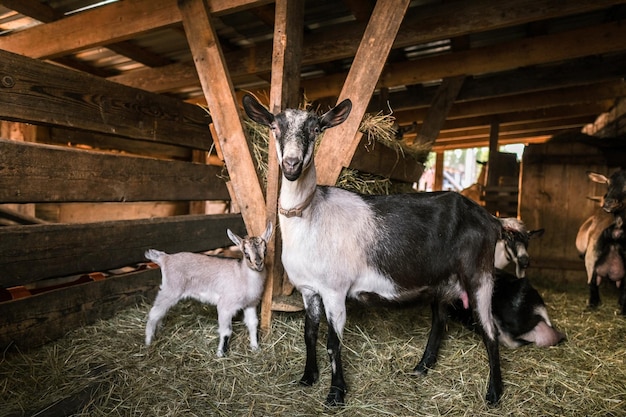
<point>537,67</point>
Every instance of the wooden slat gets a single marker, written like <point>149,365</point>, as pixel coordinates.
<point>34,173</point>
<point>115,22</point>
<point>33,321</point>
<point>220,95</point>
<point>31,253</point>
<point>339,143</point>
<point>37,92</point>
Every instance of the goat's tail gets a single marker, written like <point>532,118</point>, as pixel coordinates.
<point>154,255</point>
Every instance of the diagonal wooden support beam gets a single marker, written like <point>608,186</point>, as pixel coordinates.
<point>439,109</point>
<point>220,96</point>
<point>338,144</point>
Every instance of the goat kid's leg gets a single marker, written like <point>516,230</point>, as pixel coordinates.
<point>435,337</point>
<point>224,320</point>
<point>338,388</point>
<point>313,312</point>
<point>252,322</point>
<point>594,292</point>
<point>622,296</point>
<point>162,304</point>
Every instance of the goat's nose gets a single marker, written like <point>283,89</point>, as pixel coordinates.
<point>291,163</point>
<point>523,261</point>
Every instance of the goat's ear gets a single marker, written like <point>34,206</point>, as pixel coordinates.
<point>336,115</point>
<point>256,111</point>
<point>268,232</point>
<point>599,178</point>
<point>233,237</point>
<point>536,233</point>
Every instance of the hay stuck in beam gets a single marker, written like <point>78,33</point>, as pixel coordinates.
<point>180,374</point>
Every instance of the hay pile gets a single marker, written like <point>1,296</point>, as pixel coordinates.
<point>107,368</point>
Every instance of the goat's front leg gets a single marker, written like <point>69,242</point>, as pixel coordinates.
<point>224,320</point>
<point>594,291</point>
<point>252,323</point>
<point>313,312</point>
<point>622,296</point>
<point>338,387</point>
<point>434,338</point>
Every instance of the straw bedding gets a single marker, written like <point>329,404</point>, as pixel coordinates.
<point>105,370</point>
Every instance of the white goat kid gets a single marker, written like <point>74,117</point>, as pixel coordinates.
<point>228,283</point>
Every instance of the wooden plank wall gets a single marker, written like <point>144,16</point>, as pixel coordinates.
<point>72,107</point>
<point>554,191</point>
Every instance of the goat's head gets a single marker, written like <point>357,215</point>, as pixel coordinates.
<point>513,247</point>
<point>615,198</point>
<point>295,132</point>
<point>253,248</point>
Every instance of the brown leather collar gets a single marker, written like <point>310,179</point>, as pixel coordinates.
<point>297,211</point>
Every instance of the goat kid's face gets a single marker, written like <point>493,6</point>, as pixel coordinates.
<point>253,248</point>
<point>615,198</point>
<point>295,132</point>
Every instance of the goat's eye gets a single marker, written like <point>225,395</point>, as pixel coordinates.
<point>315,131</point>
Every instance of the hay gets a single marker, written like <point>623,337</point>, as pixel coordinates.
<point>180,374</point>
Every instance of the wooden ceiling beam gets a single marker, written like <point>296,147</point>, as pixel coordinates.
<point>521,102</point>
<point>104,25</point>
<point>421,25</point>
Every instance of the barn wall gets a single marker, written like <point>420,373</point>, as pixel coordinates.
<point>554,191</point>
<point>111,171</point>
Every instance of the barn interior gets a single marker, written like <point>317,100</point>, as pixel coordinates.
<point>121,129</point>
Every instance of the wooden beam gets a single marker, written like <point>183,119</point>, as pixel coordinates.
<point>421,25</point>
<point>104,25</point>
<point>284,93</point>
<point>338,144</point>
<point>35,173</point>
<point>220,96</point>
<point>439,109</point>
<point>35,252</point>
<point>38,92</point>
<point>600,39</point>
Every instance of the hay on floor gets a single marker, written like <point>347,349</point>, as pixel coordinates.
<point>106,369</point>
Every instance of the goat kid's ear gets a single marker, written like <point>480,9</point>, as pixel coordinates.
<point>336,115</point>
<point>599,178</point>
<point>233,237</point>
<point>268,232</point>
<point>256,111</point>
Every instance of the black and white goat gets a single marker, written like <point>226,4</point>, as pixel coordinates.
<point>513,246</point>
<point>230,284</point>
<point>519,312</point>
<point>339,244</point>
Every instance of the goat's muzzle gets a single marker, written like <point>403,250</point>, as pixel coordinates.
<point>292,168</point>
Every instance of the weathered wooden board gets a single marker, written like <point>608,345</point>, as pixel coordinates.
<point>37,92</point>
<point>32,253</point>
<point>379,159</point>
<point>34,173</point>
<point>32,321</point>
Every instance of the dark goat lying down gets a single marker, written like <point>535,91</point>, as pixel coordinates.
<point>519,312</point>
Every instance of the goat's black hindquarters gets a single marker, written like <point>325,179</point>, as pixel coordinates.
<point>338,386</point>
<point>434,338</point>
<point>594,292</point>
<point>312,318</point>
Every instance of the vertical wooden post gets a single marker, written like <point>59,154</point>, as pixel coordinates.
<point>438,186</point>
<point>284,92</point>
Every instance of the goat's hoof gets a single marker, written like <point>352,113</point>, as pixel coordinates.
<point>335,398</point>
<point>420,370</point>
<point>493,396</point>
<point>309,380</point>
